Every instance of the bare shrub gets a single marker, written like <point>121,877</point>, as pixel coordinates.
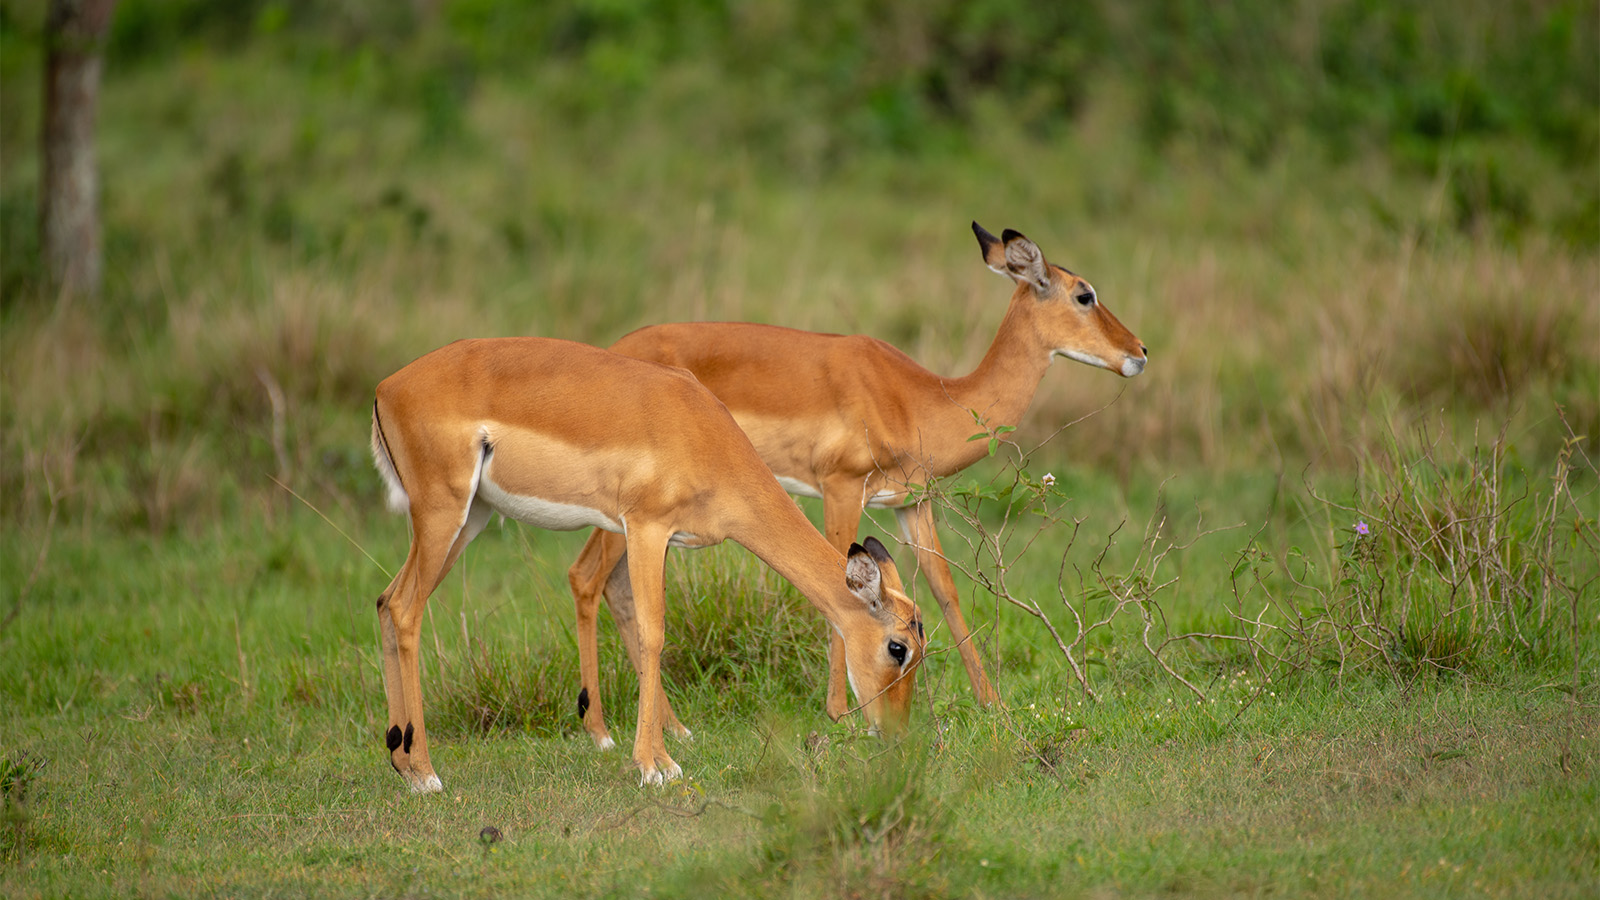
<point>1447,560</point>
<point>1002,519</point>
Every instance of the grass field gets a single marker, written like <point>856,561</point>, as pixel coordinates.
<point>1309,608</point>
<point>205,717</point>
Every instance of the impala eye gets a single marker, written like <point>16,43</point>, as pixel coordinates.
<point>1086,298</point>
<point>898,651</point>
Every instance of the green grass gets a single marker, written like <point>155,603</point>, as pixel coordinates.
<point>1360,243</point>
<point>205,714</point>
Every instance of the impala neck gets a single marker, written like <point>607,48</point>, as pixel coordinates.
<point>781,536</point>
<point>1002,387</point>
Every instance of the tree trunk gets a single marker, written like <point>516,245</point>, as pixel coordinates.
<point>69,219</point>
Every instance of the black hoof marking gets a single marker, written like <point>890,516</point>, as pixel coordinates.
<point>393,737</point>
<point>583,703</point>
<point>407,744</point>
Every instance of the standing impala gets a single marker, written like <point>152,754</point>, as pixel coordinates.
<point>566,436</point>
<point>854,421</point>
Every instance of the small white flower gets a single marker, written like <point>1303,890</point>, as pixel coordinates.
<point>1048,480</point>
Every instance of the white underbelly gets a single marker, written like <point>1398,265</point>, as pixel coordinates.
<point>543,513</point>
<point>885,500</point>
<point>799,488</point>
<point>549,514</point>
<point>880,500</point>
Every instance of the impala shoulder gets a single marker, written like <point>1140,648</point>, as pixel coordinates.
<point>647,342</point>
<point>865,349</point>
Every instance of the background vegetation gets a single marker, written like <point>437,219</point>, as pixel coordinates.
<point>1362,241</point>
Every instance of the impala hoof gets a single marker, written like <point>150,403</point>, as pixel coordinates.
<point>652,775</point>
<point>427,785</point>
<point>604,743</point>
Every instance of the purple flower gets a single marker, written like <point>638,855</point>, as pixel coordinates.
<point>1362,530</point>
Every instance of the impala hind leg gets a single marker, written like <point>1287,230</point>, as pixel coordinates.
<point>647,552</point>
<point>916,523</point>
<point>393,684</point>
<point>436,542</point>
<point>587,578</point>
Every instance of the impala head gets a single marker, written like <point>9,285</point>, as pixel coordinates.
<point>1063,309</point>
<point>882,659</point>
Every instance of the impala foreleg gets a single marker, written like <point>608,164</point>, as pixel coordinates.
<point>916,523</point>
<point>647,551</point>
<point>619,599</point>
<point>841,519</point>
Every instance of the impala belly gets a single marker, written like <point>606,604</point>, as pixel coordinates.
<point>791,448</point>
<point>543,513</point>
<point>556,516</point>
<point>527,506</point>
<point>799,488</point>
<point>521,470</point>
<point>886,500</point>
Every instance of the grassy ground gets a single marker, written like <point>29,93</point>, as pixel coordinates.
<point>1352,502</point>
<point>221,733</point>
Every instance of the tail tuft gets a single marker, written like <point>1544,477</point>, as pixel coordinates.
<point>398,500</point>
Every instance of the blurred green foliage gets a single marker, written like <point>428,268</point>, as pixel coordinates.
<point>1401,200</point>
<point>1413,77</point>
<point>1456,90</point>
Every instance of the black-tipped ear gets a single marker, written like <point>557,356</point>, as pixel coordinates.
<point>994,252</point>
<point>985,239</point>
<point>878,550</point>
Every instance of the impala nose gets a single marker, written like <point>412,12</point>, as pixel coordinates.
<point>1132,366</point>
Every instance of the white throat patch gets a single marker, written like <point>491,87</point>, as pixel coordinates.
<point>1086,358</point>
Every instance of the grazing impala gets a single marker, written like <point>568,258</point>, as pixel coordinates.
<point>568,436</point>
<point>854,421</point>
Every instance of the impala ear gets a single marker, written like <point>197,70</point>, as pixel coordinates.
<point>994,252</point>
<point>888,572</point>
<point>879,552</point>
<point>1025,263</point>
<point>861,576</point>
